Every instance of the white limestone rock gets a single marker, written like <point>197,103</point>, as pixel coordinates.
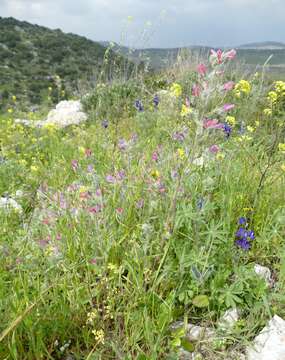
<point>229,319</point>
<point>195,332</point>
<point>270,343</point>
<point>264,272</point>
<point>9,204</point>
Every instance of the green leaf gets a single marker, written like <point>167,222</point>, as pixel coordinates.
<point>201,301</point>
<point>187,345</point>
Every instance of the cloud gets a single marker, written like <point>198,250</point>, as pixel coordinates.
<point>216,22</point>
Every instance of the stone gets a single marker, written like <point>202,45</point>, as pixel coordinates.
<point>270,343</point>
<point>195,332</point>
<point>264,272</point>
<point>8,204</point>
<point>229,319</point>
<point>66,112</point>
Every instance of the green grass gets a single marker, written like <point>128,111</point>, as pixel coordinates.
<point>117,242</point>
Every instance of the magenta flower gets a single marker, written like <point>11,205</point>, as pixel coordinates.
<point>74,165</point>
<point>228,107</point>
<point>122,144</point>
<point>93,261</point>
<point>154,156</point>
<point>120,175</point>
<point>58,236</point>
<point>214,149</point>
<point>212,124</point>
<point>119,210</point>
<point>202,69</point>
<point>110,179</point>
<point>88,152</point>
<point>228,86</point>
<point>196,90</point>
<point>95,209</point>
<point>217,55</point>
<point>230,54</point>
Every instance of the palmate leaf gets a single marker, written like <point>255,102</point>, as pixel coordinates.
<point>201,301</point>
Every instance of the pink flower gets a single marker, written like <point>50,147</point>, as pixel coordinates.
<point>228,86</point>
<point>217,55</point>
<point>93,261</point>
<point>95,209</point>
<point>230,54</point>
<point>58,237</point>
<point>214,149</point>
<point>228,107</point>
<point>110,179</point>
<point>74,165</point>
<point>187,101</point>
<point>212,124</point>
<point>119,210</point>
<point>202,69</point>
<point>196,90</point>
<point>140,203</point>
<point>154,156</point>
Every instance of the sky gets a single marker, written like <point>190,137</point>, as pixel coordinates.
<point>158,23</point>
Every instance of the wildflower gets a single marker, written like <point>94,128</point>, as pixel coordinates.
<point>230,54</point>
<point>267,112</point>
<point>243,86</point>
<point>244,236</point>
<point>154,156</point>
<point>122,144</point>
<point>156,100</point>
<point>202,69</point>
<point>216,56</point>
<point>120,175</point>
<point>155,173</point>
<point>105,124</point>
<point>49,88</point>
<point>257,123</point>
<point>231,120</point>
<point>93,261</point>
<point>228,86</point>
<point>187,101</point>
<point>34,168</point>
<point>10,111</point>
<point>91,316</point>
<point>120,211</point>
<point>140,203</point>
<point>81,150</point>
<point>139,105</point>
<point>181,153</point>
<point>74,165</point>
<point>174,174</point>
<point>88,152</point>
<point>250,129</point>
<point>281,147</point>
<point>90,168</point>
<point>227,130</point>
<point>196,91</point>
<point>14,98</point>
<point>242,220</point>
<point>176,89</point>
<point>95,209</point>
<point>99,336</point>
<point>220,156</point>
<point>185,110</point>
<point>178,136</point>
<point>272,97</point>
<point>212,124</point>
<point>282,167</point>
<point>228,107</point>
<point>214,149</point>
<point>110,179</point>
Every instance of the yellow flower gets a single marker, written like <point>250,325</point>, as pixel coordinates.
<point>34,168</point>
<point>22,162</point>
<point>49,88</point>
<point>272,97</point>
<point>185,110</point>
<point>244,138</point>
<point>231,120</point>
<point>243,86</point>
<point>220,156</point>
<point>155,173</point>
<point>267,112</point>
<point>281,147</point>
<point>99,335</point>
<point>257,123</point>
<point>10,111</point>
<point>282,167</point>
<point>176,89</point>
<point>81,150</point>
<point>181,153</point>
<point>250,129</point>
<point>14,98</point>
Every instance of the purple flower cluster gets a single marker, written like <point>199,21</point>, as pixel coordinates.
<point>155,100</point>
<point>243,235</point>
<point>227,130</point>
<point>139,105</point>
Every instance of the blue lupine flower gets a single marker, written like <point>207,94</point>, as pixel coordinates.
<point>105,124</point>
<point>227,129</point>
<point>156,100</point>
<point>242,220</point>
<point>139,105</point>
<point>243,243</point>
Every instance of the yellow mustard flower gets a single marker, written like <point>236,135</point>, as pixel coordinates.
<point>281,147</point>
<point>176,89</point>
<point>181,153</point>
<point>282,167</point>
<point>267,112</point>
<point>185,110</point>
<point>243,86</point>
<point>155,173</point>
<point>272,97</point>
<point>34,168</point>
<point>250,129</point>
<point>231,120</point>
<point>14,98</point>
<point>220,156</point>
<point>10,111</point>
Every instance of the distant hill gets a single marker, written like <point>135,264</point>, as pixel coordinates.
<point>32,57</point>
<point>266,45</point>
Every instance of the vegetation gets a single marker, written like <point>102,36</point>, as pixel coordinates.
<point>155,210</point>
<point>40,64</point>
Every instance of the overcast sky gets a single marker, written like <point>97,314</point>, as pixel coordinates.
<point>158,23</point>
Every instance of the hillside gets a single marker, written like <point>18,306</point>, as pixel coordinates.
<point>32,58</point>
<point>254,54</point>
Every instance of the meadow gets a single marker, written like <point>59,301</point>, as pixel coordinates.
<point>154,210</point>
